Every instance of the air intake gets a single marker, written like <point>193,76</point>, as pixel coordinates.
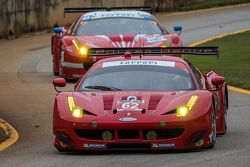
<point>154,101</point>
<point>108,102</point>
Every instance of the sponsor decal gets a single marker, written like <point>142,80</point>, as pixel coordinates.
<point>127,119</point>
<point>155,39</point>
<point>147,17</point>
<point>94,145</point>
<point>131,99</point>
<point>139,62</point>
<point>131,103</point>
<point>163,145</point>
<point>110,14</point>
<point>88,17</point>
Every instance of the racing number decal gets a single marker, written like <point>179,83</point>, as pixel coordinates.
<point>130,105</point>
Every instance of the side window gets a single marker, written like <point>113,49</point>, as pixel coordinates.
<point>198,76</point>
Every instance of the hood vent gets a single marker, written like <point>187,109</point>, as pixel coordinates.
<point>108,102</point>
<point>154,101</point>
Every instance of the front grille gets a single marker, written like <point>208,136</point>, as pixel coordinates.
<point>91,133</point>
<point>165,133</point>
<point>96,134</point>
<point>128,145</point>
<point>128,134</point>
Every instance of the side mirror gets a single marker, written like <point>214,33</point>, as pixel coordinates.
<point>178,29</point>
<point>218,80</point>
<point>57,30</point>
<point>59,82</point>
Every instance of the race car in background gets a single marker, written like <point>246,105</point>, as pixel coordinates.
<point>142,99</point>
<point>105,28</point>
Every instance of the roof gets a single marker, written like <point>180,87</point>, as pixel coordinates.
<point>118,14</point>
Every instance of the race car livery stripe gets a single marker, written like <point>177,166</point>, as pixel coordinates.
<point>105,37</point>
<point>72,65</point>
<point>139,62</point>
<point>128,44</point>
<point>122,41</point>
<point>118,44</point>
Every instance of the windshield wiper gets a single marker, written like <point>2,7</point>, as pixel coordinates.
<point>102,88</point>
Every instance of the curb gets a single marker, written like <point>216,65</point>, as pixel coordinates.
<point>218,37</point>
<point>232,88</point>
<point>11,135</point>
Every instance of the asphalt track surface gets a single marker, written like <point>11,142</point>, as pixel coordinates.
<point>26,102</point>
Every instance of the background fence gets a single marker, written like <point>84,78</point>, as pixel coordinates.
<point>20,16</point>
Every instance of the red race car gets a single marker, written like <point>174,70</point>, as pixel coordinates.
<point>105,28</point>
<point>143,99</point>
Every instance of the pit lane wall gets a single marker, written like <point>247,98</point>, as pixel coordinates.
<point>21,16</point>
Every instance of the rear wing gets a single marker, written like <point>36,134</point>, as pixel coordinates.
<point>202,51</point>
<point>86,10</point>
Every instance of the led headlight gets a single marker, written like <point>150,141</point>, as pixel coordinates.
<point>83,50</point>
<point>183,111</point>
<point>76,111</point>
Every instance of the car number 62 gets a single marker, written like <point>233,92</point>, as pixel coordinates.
<point>130,105</point>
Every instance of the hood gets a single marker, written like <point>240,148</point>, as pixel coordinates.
<point>125,103</point>
<point>123,41</point>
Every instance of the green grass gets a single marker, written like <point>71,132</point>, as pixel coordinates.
<point>203,4</point>
<point>233,62</point>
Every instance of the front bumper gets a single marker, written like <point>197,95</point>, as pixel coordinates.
<point>171,135</point>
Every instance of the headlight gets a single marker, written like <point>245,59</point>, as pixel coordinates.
<point>76,111</point>
<point>183,111</point>
<point>83,50</point>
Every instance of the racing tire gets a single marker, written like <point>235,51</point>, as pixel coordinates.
<point>54,71</point>
<point>225,116</point>
<point>60,65</point>
<point>213,128</point>
<point>53,57</point>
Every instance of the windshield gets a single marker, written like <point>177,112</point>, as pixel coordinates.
<point>110,26</point>
<point>138,77</point>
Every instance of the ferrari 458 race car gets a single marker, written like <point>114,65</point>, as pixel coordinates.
<point>105,28</point>
<point>144,99</point>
